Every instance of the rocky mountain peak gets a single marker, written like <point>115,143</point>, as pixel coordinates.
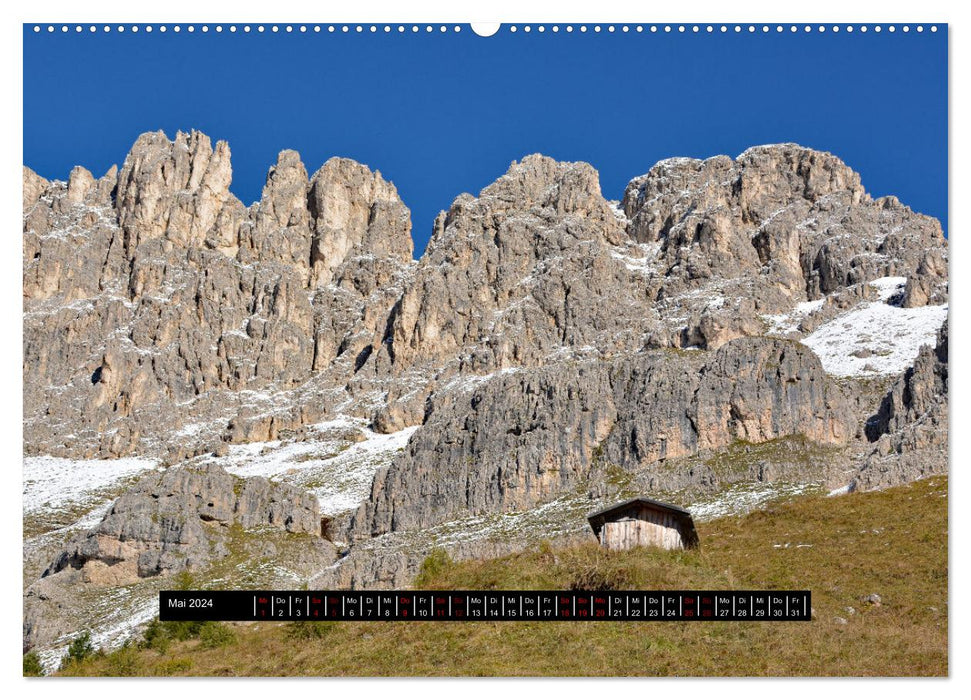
<point>798,216</point>
<point>355,212</point>
<point>757,184</point>
<point>542,182</point>
<point>314,286</point>
<point>277,229</point>
<point>183,292</point>
<point>173,189</point>
<point>34,186</point>
<point>503,257</point>
<point>778,174</point>
<point>80,181</point>
<point>284,198</point>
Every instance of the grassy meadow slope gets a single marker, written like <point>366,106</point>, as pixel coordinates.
<point>892,543</point>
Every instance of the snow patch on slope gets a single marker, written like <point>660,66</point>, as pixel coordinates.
<point>783,324</point>
<point>876,338</point>
<point>52,483</point>
<point>744,498</point>
<point>337,464</point>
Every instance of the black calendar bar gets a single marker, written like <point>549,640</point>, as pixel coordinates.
<point>452,606</point>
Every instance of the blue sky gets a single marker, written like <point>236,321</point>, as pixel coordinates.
<point>440,114</point>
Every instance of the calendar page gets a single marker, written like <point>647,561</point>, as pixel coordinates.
<point>448,349</point>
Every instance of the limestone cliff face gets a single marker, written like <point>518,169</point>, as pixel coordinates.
<point>525,256</point>
<point>174,191</point>
<point>910,430</point>
<point>797,218</point>
<point>153,298</point>
<point>155,302</point>
<point>179,519</point>
<point>514,276</point>
<point>696,254</point>
<point>521,438</point>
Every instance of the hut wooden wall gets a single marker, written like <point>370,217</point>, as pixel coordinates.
<point>647,528</point>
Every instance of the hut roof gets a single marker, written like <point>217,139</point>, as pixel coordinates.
<point>605,513</point>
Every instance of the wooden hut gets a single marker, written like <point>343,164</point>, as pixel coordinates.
<point>643,522</point>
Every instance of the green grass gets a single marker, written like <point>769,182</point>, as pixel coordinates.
<point>892,542</point>
<point>32,664</point>
<point>738,462</point>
